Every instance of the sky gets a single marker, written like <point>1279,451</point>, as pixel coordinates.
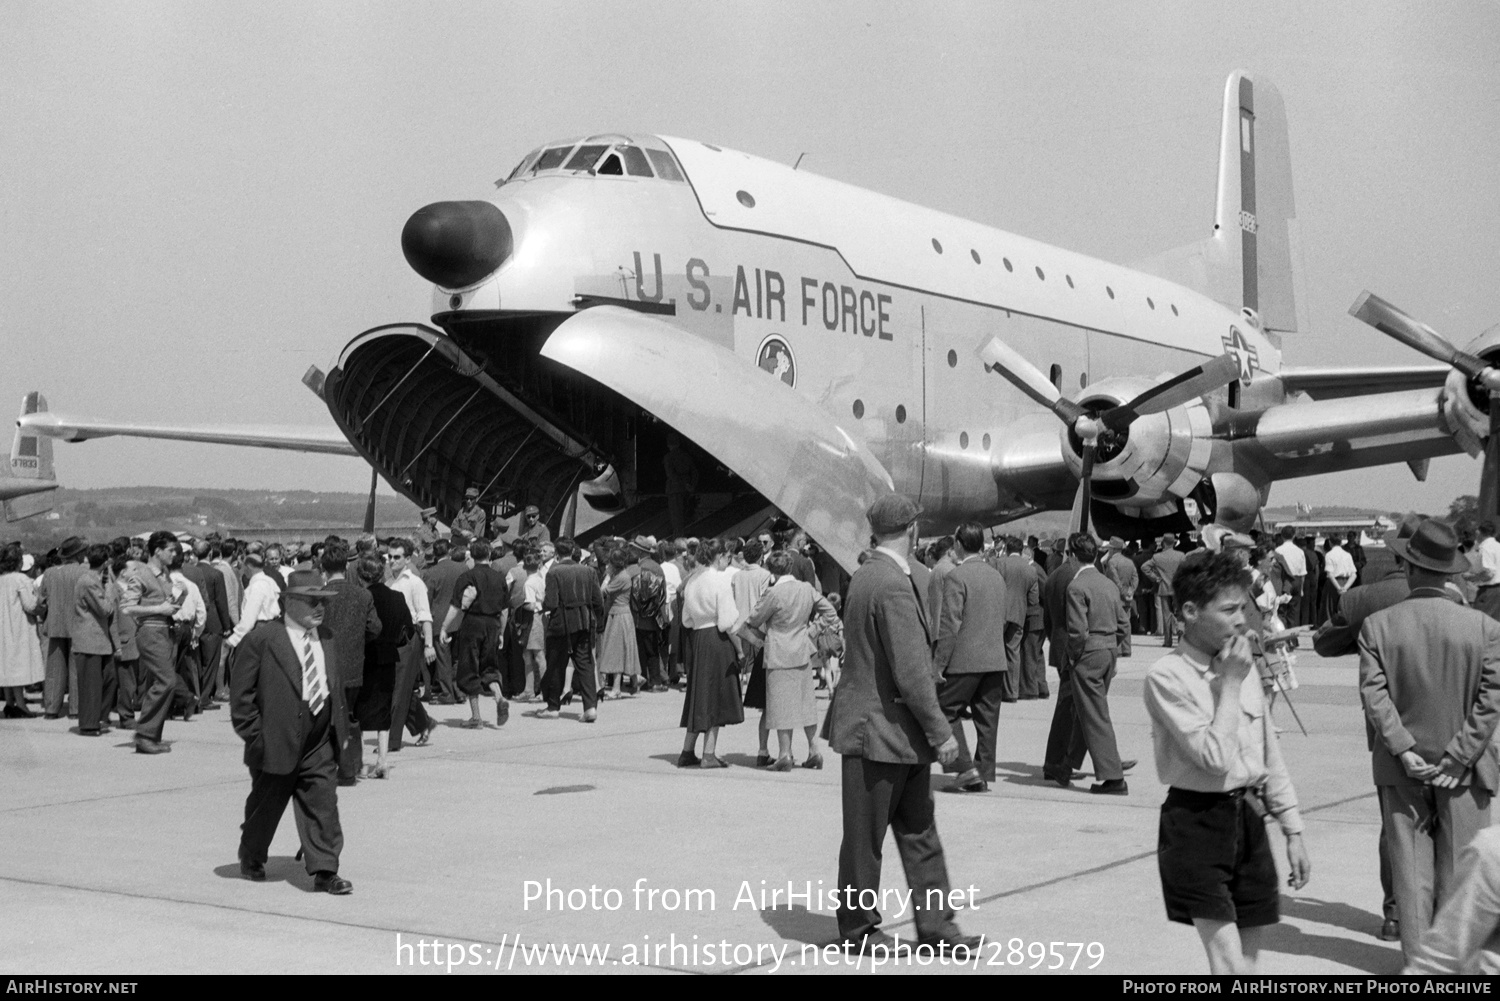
<point>202,199</point>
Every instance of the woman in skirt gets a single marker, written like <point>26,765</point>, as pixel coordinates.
<point>709,615</point>
<point>619,659</point>
<point>784,613</point>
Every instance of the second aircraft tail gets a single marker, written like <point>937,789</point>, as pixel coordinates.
<point>1248,261</point>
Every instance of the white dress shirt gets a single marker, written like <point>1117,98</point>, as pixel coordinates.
<point>1338,563</point>
<point>1296,559</point>
<point>1488,551</point>
<point>260,603</point>
<point>708,600</point>
<point>414,590</point>
<point>299,637</point>
<point>193,609</point>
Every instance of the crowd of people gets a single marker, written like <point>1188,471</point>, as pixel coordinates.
<point>373,631</point>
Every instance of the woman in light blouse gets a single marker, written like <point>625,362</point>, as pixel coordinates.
<point>784,612</point>
<point>709,615</point>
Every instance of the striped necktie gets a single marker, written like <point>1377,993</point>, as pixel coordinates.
<point>312,680</point>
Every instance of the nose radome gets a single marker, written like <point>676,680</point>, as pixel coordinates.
<point>455,244</point>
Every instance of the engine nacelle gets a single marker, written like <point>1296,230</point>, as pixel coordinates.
<point>1466,406</point>
<point>1159,459</point>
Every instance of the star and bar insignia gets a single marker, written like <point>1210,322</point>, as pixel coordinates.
<point>1244,353</point>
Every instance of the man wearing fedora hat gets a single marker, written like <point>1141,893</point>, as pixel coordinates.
<point>1339,636</point>
<point>1115,565</point>
<point>1160,569</point>
<point>1429,675</point>
<point>289,709</point>
<point>59,583</point>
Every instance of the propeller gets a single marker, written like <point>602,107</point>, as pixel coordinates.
<point>1386,318</point>
<point>1090,428</point>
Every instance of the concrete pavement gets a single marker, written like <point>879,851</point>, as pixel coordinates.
<point>116,863</point>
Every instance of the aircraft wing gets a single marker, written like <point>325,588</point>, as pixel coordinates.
<point>1353,432</point>
<point>1335,383</point>
<point>66,427</point>
<point>782,444</point>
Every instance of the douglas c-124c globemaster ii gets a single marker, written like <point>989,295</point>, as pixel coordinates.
<point>817,344</point>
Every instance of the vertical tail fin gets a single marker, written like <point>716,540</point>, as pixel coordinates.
<point>1249,260</point>
<point>31,465</point>
<point>31,453</point>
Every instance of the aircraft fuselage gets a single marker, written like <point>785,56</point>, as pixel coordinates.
<point>871,307</point>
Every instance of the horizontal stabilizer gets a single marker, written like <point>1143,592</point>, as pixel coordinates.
<point>21,508</point>
<point>66,427</point>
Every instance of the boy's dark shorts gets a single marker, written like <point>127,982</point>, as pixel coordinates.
<point>1215,860</point>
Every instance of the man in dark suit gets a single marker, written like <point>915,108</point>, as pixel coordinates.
<point>886,721</point>
<point>289,709</point>
<point>1033,661</point>
<point>971,655</point>
<point>1429,678</point>
<point>351,618</point>
<point>574,606</point>
<point>1115,565</point>
<point>58,584</point>
<point>1340,636</point>
<point>1065,746</point>
<point>1160,569</point>
<point>649,635</point>
<point>1097,624</point>
<point>1019,580</point>
<point>196,568</point>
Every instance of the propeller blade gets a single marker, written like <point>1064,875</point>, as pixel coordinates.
<point>1184,388</point>
<point>1370,308</point>
<point>1085,485</point>
<point>1489,487</point>
<point>1028,379</point>
<point>370,508</point>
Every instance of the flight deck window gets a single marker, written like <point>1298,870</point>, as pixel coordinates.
<point>666,168</point>
<point>611,167</point>
<point>586,157</point>
<point>521,167</point>
<point>635,161</point>
<point>551,159</point>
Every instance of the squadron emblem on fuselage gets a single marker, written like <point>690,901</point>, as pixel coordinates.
<point>775,356</point>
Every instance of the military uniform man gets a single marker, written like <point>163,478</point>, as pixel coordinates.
<point>532,527</point>
<point>426,535</point>
<point>470,521</point>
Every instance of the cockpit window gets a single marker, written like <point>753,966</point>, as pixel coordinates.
<point>635,161</point>
<point>586,157</point>
<point>601,155</point>
<point>521,167</point>
<point>551,159</point>
<point>665,166</point>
